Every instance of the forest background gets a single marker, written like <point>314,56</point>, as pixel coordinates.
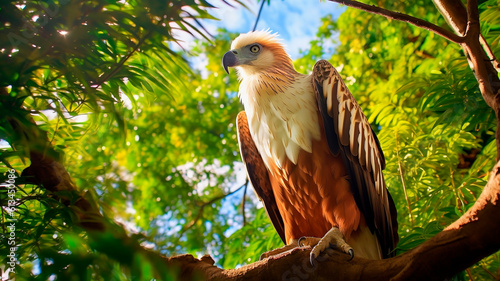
<point>146,132</point>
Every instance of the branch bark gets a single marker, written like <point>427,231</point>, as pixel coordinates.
<point>484,67</point>
<point>469,239</point>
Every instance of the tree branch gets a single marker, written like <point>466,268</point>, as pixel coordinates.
<point>490,54</point>
<point>472,13</point>
<point>122,61</point>
<point>202,206</point>
<point>403,17</point>
<point>243,203</point>
<point>472,237</point>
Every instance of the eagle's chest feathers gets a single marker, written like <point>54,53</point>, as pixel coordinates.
<point>282,116</point>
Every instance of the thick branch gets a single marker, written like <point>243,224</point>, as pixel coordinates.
<point>472,237</point>
<point>454,13</point>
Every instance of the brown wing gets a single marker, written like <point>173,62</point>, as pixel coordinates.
<point>258,174</point>
<point>349,133</point>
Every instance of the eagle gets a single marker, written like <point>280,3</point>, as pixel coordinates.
<point>310,153</point>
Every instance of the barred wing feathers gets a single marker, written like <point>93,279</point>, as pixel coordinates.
<point>349,133</point>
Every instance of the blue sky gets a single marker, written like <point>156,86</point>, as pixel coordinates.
<point>296,21</point>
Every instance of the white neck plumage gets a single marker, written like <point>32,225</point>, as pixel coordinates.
<point>282,114</point>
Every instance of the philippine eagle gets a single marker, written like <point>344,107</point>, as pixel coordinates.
<point>310,152</point>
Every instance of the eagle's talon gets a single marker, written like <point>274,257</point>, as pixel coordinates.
<point>332,239</point>
<point>300,239</point>
<point>312,259</point>
<point>351,254</point>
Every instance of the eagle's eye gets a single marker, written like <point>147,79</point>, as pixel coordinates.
<point>255,49</point>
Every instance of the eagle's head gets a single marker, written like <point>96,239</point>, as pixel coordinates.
<point>256,52</point>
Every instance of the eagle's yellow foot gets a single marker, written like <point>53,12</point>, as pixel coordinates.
<point>332,238</point>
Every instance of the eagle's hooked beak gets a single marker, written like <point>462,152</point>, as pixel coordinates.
<point>229,60</point>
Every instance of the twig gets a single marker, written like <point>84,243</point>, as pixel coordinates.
<point>401,174</point>
<point>489,272</point>
<point>202,206</point>
<point>3,221</point>
<point>489,52</point>
<point>258,15</point>
<point>469,274</point>
<point>458,200</point>
<point>122,61</point>
<point>403,17</point>
<point>243,202</point>
<point>55,130</point>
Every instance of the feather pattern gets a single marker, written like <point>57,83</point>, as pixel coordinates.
<point>353,138</point>
<point>258,173</point>
<point>281,125</point>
